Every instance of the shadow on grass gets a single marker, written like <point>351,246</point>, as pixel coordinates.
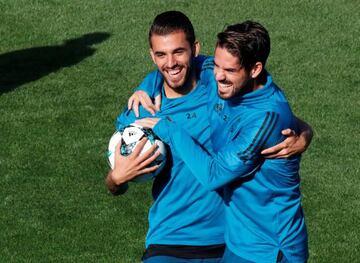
<point>22,66</point>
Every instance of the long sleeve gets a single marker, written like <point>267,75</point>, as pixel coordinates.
<point>125,118</point>
<point>239,158</point>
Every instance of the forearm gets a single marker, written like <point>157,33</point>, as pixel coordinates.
<point>212,171</point>
<point>306,132</point>
<point>115,189</point>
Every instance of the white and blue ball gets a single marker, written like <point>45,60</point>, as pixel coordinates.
<point>130,136</point>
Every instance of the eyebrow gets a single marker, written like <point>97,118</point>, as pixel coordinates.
<point>159,52</point>
<point>179,49</point>
<point>227,69</point>
<point>174,51</point>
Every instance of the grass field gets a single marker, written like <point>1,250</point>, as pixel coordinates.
<point>66,70</point>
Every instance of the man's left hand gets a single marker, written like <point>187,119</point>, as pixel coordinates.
<point>148,122</point>
<point>292,145</point>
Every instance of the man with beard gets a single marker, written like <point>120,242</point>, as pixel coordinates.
<point>186,220</point>
<point>264,221</point>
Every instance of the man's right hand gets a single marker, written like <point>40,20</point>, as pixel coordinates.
<point>142,98</point>
<point>128,167</point>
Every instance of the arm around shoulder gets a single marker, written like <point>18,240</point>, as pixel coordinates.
<point>295,142</point>
<point>211,170</point>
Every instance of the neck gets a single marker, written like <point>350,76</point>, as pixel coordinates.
<point>254,84</point>
<point>258,82</point>
<point>185,89</point>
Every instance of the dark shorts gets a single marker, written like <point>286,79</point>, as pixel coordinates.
<point>180,253</point>
<point>169,259</point>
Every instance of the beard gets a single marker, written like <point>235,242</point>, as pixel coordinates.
<point>184,83</point>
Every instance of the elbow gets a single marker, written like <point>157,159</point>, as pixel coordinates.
<point>119,190</point>
<point>115,189</point>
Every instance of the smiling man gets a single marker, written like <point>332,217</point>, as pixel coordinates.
<point>174,62</point>
<point>186,221</point>
<point>264,221</point>
<point>232,78</point>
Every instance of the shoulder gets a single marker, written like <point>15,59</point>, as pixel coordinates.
<point>203,63</point>
<point>208,63</point>
<point>275,109</point>
<point>154,78</point>
<point>205,67</point>
<point>256,119</point>
<point>152,83</point>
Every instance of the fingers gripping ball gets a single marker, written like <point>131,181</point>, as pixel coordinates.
<point>130,136</point>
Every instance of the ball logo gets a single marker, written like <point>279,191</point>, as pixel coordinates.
<point>132,134</point>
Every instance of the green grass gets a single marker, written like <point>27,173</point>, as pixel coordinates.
<point>57,117</point>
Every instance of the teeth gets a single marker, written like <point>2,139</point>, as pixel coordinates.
<point>224,86</point>
<point>174,72</point>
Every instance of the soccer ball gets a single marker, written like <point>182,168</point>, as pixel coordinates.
<point>130,136</point>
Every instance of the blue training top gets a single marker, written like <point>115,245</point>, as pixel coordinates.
<point>262,196</point>
<point>183,212</point>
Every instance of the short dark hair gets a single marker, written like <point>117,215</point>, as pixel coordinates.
<point>249,41</point>
<point>172,21</point>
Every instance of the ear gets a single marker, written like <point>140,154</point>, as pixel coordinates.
<point>256,70</point>
<point>196,48</point>
<point>152,55</point>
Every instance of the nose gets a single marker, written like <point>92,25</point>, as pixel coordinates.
<point>219,74</point>
<point>171,62</point>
